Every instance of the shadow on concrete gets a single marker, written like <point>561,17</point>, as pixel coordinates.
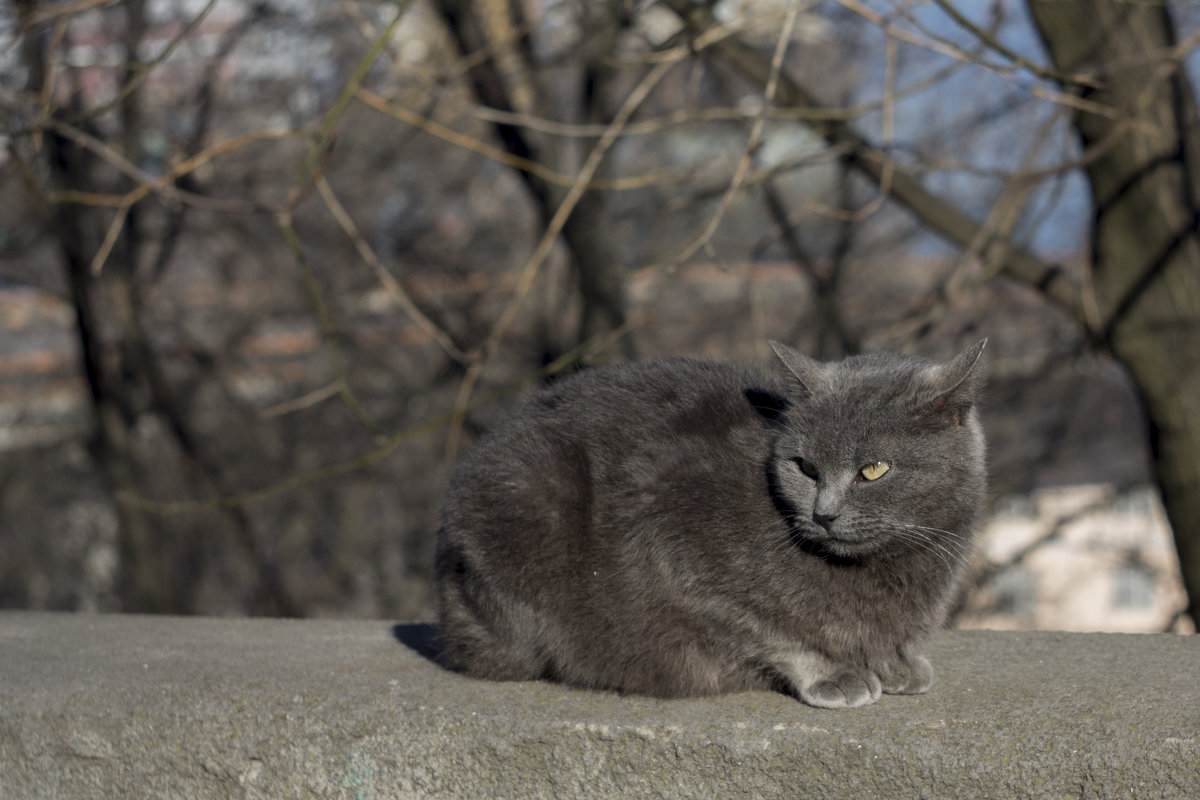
<point>423,638</point>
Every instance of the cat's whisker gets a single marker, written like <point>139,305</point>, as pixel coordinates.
<point>959,543</point>
<point>953,535</point>
<point>954,550</point>
<point>934,533</point>
<point>921,537</point>
<point>927,546</point>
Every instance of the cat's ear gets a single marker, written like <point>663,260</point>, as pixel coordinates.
<point>954,386</point>
<point>807,372</point>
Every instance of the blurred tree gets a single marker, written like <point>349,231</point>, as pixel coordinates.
<point>155,573</point>
<point>409,209</point>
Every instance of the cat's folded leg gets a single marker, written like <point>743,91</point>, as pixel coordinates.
<point>823,683</point>
<point>908,673</point>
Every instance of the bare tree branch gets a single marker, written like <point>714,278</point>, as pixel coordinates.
<point>530,272</point>
<point>936,212</point>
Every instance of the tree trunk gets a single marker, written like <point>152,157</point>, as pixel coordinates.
<point>141,579</point>
<point>1146,249</point>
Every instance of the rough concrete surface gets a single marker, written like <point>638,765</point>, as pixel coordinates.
<point>155,707</point>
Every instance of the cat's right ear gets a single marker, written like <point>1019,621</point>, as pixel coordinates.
<point>955,385</point>
<point>807,373</point>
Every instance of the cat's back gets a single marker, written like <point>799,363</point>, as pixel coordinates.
<point>627,405</point>
<point>602,448</point>
<point>667,391</point>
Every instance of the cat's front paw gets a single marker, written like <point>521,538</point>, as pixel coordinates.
<point>908,673</point>
<point>849,688</point>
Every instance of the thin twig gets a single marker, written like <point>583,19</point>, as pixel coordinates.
<point>704,238</point>
<point>1019,60</point>
<point>66,10</point>
<point>940,46</point>
<point>655,125</point>
<point>324,321</point>
<point>308,177</point>
<point>889,165</point>
<point>167,179</point>
<point>392,286</point>
<point>313,398</point>
<point>945,47</point>
<point>171,194</point>
<point>326,132</point>
<point>486,150</point>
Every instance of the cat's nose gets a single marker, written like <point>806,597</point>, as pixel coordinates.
<point>825,519</point>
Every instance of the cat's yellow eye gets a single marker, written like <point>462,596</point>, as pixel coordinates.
<point>875,470</point>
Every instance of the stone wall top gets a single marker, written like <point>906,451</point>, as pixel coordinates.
<point>129,706</point>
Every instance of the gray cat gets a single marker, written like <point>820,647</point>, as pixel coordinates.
<point>682,527</point>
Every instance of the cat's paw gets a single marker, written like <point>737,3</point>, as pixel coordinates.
<point>908,673</point>
<point>849,688</point>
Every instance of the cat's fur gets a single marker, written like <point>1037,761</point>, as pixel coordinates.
<point>651,528</point>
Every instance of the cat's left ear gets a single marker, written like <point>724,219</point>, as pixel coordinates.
<point>807,372</point>
<point>954,385</point>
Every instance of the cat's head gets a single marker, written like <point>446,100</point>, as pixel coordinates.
<point>880,452</point>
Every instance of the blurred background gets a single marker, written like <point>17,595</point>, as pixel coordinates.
<point>267,268</point>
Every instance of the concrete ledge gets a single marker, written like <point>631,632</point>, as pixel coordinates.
<point>115,706</point>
